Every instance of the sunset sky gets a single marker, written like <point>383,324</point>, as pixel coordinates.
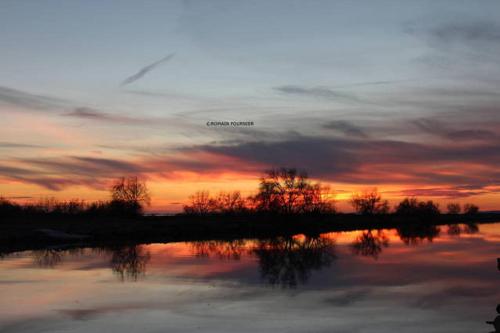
<point>399,95</point>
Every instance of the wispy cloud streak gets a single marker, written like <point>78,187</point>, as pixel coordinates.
<point>143,71</point>
<point>28,100</point>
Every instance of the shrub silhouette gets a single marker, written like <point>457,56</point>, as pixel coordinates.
<point>129,195</point>
<point>412,207</point>
<point>8,208</point>
<point>471,209</point>
<point>453,208</point>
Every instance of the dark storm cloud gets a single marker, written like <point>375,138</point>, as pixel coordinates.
<point>346,128</point>
<point>27,100</point>
<point>146,69</point>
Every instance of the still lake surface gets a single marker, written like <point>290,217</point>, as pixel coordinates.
<point>433,279</point>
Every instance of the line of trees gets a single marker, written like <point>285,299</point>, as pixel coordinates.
<point>371,203</point>
<point>290,192</point>
<point>285,191</point>
<point>281,191</point>
<point>129,196</point>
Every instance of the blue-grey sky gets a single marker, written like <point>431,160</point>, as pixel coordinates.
<point>129,80</point>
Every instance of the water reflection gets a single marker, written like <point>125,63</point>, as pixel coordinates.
<point>51,257</point>
<point>229,250</point>
<point>284,262</point>
<point>457,229</point>
<point>496,321</point>
<point>414,234</point>
<point>129,262</point>
<point>370,244</point>
<point>449,285</point>
<point>288,261</point>
<point>47,258</point>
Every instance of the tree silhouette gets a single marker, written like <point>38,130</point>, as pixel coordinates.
<point>408,206</point>
<point>369,203</point>
<point>288,191</point>
<point>230,203</point>
<point>200,204</point>
<point>413,207</point>
<point>471,209</point>
<point>130,195</point>
<point>453,208</point>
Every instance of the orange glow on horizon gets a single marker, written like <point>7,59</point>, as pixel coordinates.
<point>169,195</point>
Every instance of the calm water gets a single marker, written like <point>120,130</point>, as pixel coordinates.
<point>429,280</point>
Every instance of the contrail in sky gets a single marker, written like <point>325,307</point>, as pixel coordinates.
<point>143,71</point>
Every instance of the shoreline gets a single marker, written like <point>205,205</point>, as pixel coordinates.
<point>19,235</point>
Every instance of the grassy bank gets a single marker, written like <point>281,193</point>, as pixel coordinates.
<point>17,234</point>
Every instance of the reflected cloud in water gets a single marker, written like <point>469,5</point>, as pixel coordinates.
<point>446,283</point>
<point>284,262</point>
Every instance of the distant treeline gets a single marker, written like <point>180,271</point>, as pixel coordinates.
<point>283,191</point>
<point>289,191</point>
<point>128,198</point>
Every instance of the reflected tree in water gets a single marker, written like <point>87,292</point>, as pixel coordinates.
<point>454,230</point>
<point>129,262</point>
<point>370,244</point>
<point>288,261</point>
<point>47,258</point>
<point>470,228</point>
<point>457,229</point>
<point>229,250</point>
<point>414,234</point>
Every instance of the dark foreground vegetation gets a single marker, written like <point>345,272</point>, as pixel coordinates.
<point>286,203</point>
<point>17,234</point>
